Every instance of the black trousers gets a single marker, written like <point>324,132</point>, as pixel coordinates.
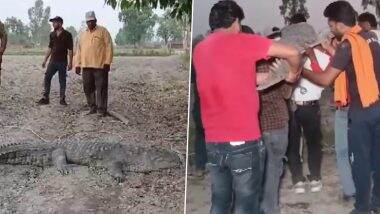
<point>95,85</point>
<point>308,119</point>
<point>51,70</point>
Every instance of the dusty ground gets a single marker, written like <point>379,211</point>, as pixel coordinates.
<point>151,92</point>
<point>326,202</point>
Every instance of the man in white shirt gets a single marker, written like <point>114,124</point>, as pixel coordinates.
<point>368,22</point>
<point>305,117</point>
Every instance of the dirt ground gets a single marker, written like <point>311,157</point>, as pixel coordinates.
<point>150,92</point>
<point>328,201</point>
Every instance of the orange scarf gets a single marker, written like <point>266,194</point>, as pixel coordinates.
<point>340,90</point>
<point>364,71</point>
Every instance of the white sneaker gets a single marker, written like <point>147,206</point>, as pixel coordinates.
<point>299,188</point>
<point>316,186</point>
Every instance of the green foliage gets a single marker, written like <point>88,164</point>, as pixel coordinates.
<point>73,31</point>
<point>39,23</point>
<point>178,8</point>
<point>169,29</point>
<point>291,7</point>
<point>18,33</point>
<point>120,39</point>
<point>138,25</point>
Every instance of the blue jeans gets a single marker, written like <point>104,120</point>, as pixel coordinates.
<point>341,149</point>
<point>364,148</point>
<point>51,70</point>
<point>236,177</point>
<point>276,143</point>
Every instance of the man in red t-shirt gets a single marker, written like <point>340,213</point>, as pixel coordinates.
<point>226,80</point>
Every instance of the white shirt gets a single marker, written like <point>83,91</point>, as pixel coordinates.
<point>307,91</point>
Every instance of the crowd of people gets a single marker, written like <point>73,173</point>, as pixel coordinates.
<point>92,60</point>
<point>244,134</point>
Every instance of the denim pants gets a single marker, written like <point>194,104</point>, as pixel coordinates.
<point>276,143</point>
<point>364,153</point>
<point>51,70</point>
<point>308,119</point>
<point>236,177</point>
<point>341,149</point>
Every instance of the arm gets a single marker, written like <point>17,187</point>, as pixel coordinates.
<point>324,78</point>
<point>109,51</point>
<point>78,57</point>
<point>71,47</point>
<point>291,55</point>
<point>47,55</point>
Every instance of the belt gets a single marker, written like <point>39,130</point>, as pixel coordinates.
<point>341,108</point>
<point>307,103</point>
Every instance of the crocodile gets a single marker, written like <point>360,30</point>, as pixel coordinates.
<point>118,158</point>
<point>299,35</point>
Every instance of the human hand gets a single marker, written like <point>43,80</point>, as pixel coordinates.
<point>77,70</point>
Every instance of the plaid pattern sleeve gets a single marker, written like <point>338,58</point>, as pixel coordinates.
<point>273,109</point>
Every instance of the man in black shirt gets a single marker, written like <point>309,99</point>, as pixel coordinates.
<point>60,45</point>
<point>360,61</point>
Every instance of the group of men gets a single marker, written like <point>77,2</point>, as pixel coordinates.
<point>249,132</point>
<point>93,58</point>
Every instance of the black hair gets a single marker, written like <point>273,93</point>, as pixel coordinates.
<point>341,11</point>
<point>368,17</point>
<point>297,18</point>
<point>224,13</point>
<point>247,29</point>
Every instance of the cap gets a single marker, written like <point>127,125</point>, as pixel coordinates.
<point>90,16</point>
<point>57,18</point>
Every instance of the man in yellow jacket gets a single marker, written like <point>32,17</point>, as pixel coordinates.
<point>94,57</point>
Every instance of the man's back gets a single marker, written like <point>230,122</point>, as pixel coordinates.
<point>226,80</point>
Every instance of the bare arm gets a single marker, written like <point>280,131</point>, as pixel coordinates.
<point>324,78</point>
<point>47,55</point>
<point>291,55</point>
<point>70,63</point>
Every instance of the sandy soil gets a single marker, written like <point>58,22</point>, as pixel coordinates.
<point>151,92</point>
<point>328,201</point>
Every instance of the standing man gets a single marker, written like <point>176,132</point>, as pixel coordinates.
<point>306,118</point>
<point>368,22</point>
<point>3,44</point>
<point>359,56</point>
<point>226,80</point>
<point>94,57</point>
<point>274,123</point>
<point>60,44</point>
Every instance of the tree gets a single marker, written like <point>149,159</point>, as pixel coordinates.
<point>138,24</point>
<point>18,33</point>
<point>178,8</point>
<point>120,38</point>
<point>73,31</point>
<point>291,7</point>
<point>375,3</point>
<point>39,23</point>
<point>169,29</point>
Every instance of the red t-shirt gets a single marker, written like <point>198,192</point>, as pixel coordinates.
<point>226,80</point>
